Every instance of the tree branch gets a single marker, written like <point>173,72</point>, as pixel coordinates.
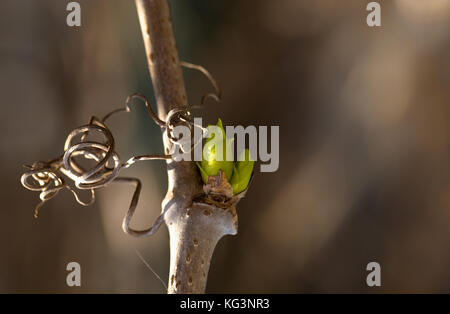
<point>194,226</point>
<point>162,55</point>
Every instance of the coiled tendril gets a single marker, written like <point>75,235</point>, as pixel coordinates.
<point>95,142</point>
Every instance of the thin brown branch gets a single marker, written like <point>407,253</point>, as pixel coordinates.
<point>162,54</point>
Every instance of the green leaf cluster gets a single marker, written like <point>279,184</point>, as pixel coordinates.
<point>237,173</point>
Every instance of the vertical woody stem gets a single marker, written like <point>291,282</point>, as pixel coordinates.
<point>162,55</point>
<point>194,228</point>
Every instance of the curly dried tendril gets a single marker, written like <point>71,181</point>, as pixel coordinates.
<point>94,143</point>
<point>47,177</point>
<point>177,117</point>
<point>217,96</point>
<point>102,153</point>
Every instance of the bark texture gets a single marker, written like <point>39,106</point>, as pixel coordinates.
<point>194,226</point>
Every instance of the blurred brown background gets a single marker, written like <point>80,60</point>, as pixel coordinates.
<point>364,122</point>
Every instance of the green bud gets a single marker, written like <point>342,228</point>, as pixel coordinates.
<point>242,172</point>
<point>210,166</point>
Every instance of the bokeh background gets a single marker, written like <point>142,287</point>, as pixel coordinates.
<point>364,116</point>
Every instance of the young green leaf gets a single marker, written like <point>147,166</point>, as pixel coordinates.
<point>209,165</point>
<point>242,172</point>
